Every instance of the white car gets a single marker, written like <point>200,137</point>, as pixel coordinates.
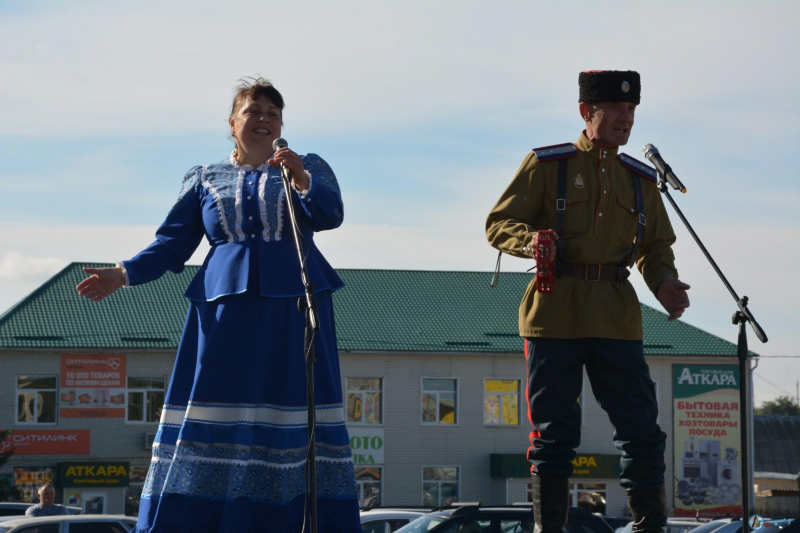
<point>16,509</point>
<point>387,520</point>
<point>83,523</point>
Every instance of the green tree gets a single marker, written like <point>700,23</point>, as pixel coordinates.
<point>780,406</point>
<point>6,493</point>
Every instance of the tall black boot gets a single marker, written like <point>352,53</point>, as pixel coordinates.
<point>550,503</point>
<point>648,508</point>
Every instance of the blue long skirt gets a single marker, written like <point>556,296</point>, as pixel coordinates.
<point>230,452</point>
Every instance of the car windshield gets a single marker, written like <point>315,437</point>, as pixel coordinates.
<point>423,523</point>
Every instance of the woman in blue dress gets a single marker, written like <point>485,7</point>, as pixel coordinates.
<point>230,450</point>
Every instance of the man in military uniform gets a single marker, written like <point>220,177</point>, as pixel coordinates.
<point>608,215</point>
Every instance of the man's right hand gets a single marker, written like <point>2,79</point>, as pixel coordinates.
<point>535,243</point>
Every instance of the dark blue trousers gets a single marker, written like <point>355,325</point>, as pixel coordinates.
<point>621,383</point>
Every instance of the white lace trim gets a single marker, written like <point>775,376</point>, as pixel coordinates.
<point>246,168</point>
<point>262,206</point>
<point>121,266</point>
<point>218,200</point>
<point>281,200</point>
<point>304,193</point>
<point>238,204</point>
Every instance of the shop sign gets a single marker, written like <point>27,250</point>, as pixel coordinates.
<point>596,466</point>
<point>92,386</point>
<point>516,465</point>
<point>707,442</point>
<point>47,442</point>
<point>93,474</point>
<point>367,445</point>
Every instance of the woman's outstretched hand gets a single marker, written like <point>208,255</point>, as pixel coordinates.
<point>101,282</point>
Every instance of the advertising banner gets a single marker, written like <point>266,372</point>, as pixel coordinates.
<point>707,440</point>
<point>92,386</point>
<point>47,442</point>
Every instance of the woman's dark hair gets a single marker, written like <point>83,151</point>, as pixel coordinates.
<point>255,88</point>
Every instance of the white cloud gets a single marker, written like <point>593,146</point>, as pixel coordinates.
<point>16,267</point>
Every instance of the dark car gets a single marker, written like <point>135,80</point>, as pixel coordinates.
<point>475,518</point>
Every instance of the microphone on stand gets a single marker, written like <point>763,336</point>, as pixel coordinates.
<point>652,155</point>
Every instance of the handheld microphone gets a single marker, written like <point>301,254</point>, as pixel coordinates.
<point>652,155</point>
<point>277,144</point>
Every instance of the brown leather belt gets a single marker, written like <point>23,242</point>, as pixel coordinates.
<point>594,272</point>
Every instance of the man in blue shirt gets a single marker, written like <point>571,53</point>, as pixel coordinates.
<point>46,505</point>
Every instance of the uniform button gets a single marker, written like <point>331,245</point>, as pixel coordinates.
<point>631,210</point>
<point>249,197</point>
<point>601,170</point>
<point>604,191</point>
<point>600,215</point>
<point>249,182</point>
<point>249,218</point>
<point>252,235</point>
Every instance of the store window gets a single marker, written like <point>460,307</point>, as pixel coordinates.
<point>145,398</point>
<point>440,485</point>
<point>36,399</point>
<point>439,400</point>
<point>501,402</point>
<point>27,481</point>
<point>365,400</point>
<point>369,481</point>
<point>133,493</point>
<point>590,496</point>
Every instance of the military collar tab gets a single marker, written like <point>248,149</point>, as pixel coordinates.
<point>634,165</point>
<point>556,151</point>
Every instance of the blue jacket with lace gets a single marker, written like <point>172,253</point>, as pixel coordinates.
<point>242,213</point>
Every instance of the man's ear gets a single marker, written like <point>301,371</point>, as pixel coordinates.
<point>586,111</point>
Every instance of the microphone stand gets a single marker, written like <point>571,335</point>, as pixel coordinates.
<point>307,304</point>
<point>741,317</point>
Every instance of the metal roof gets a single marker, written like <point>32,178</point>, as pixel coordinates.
<point>378,310</point>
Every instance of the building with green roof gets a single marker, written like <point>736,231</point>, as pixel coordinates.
<point>432,369</point>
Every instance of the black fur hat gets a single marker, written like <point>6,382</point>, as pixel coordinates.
<point>609,86</point>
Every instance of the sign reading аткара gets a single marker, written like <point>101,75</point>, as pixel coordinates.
<point>707,440</point>
<point>93,474</point>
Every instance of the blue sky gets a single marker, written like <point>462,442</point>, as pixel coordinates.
<point>423,109</point>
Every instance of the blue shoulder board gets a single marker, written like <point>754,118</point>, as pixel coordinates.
<point>556,151</point>
<point>643,169</point>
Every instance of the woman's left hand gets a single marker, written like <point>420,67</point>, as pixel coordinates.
<point>292,162</point>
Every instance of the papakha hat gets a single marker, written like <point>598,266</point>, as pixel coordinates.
<point>609,86</point>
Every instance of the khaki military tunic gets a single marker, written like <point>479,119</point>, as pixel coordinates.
<point>600,224</point>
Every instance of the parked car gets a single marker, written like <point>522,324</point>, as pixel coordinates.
<point>474,518</point>
<point>389,519</point>
<point>616,522</point>
<point>733,525</point>
<point>18,509</point>
<point>710,527</point>
<point>83,523</point>
<point>681,525</point>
